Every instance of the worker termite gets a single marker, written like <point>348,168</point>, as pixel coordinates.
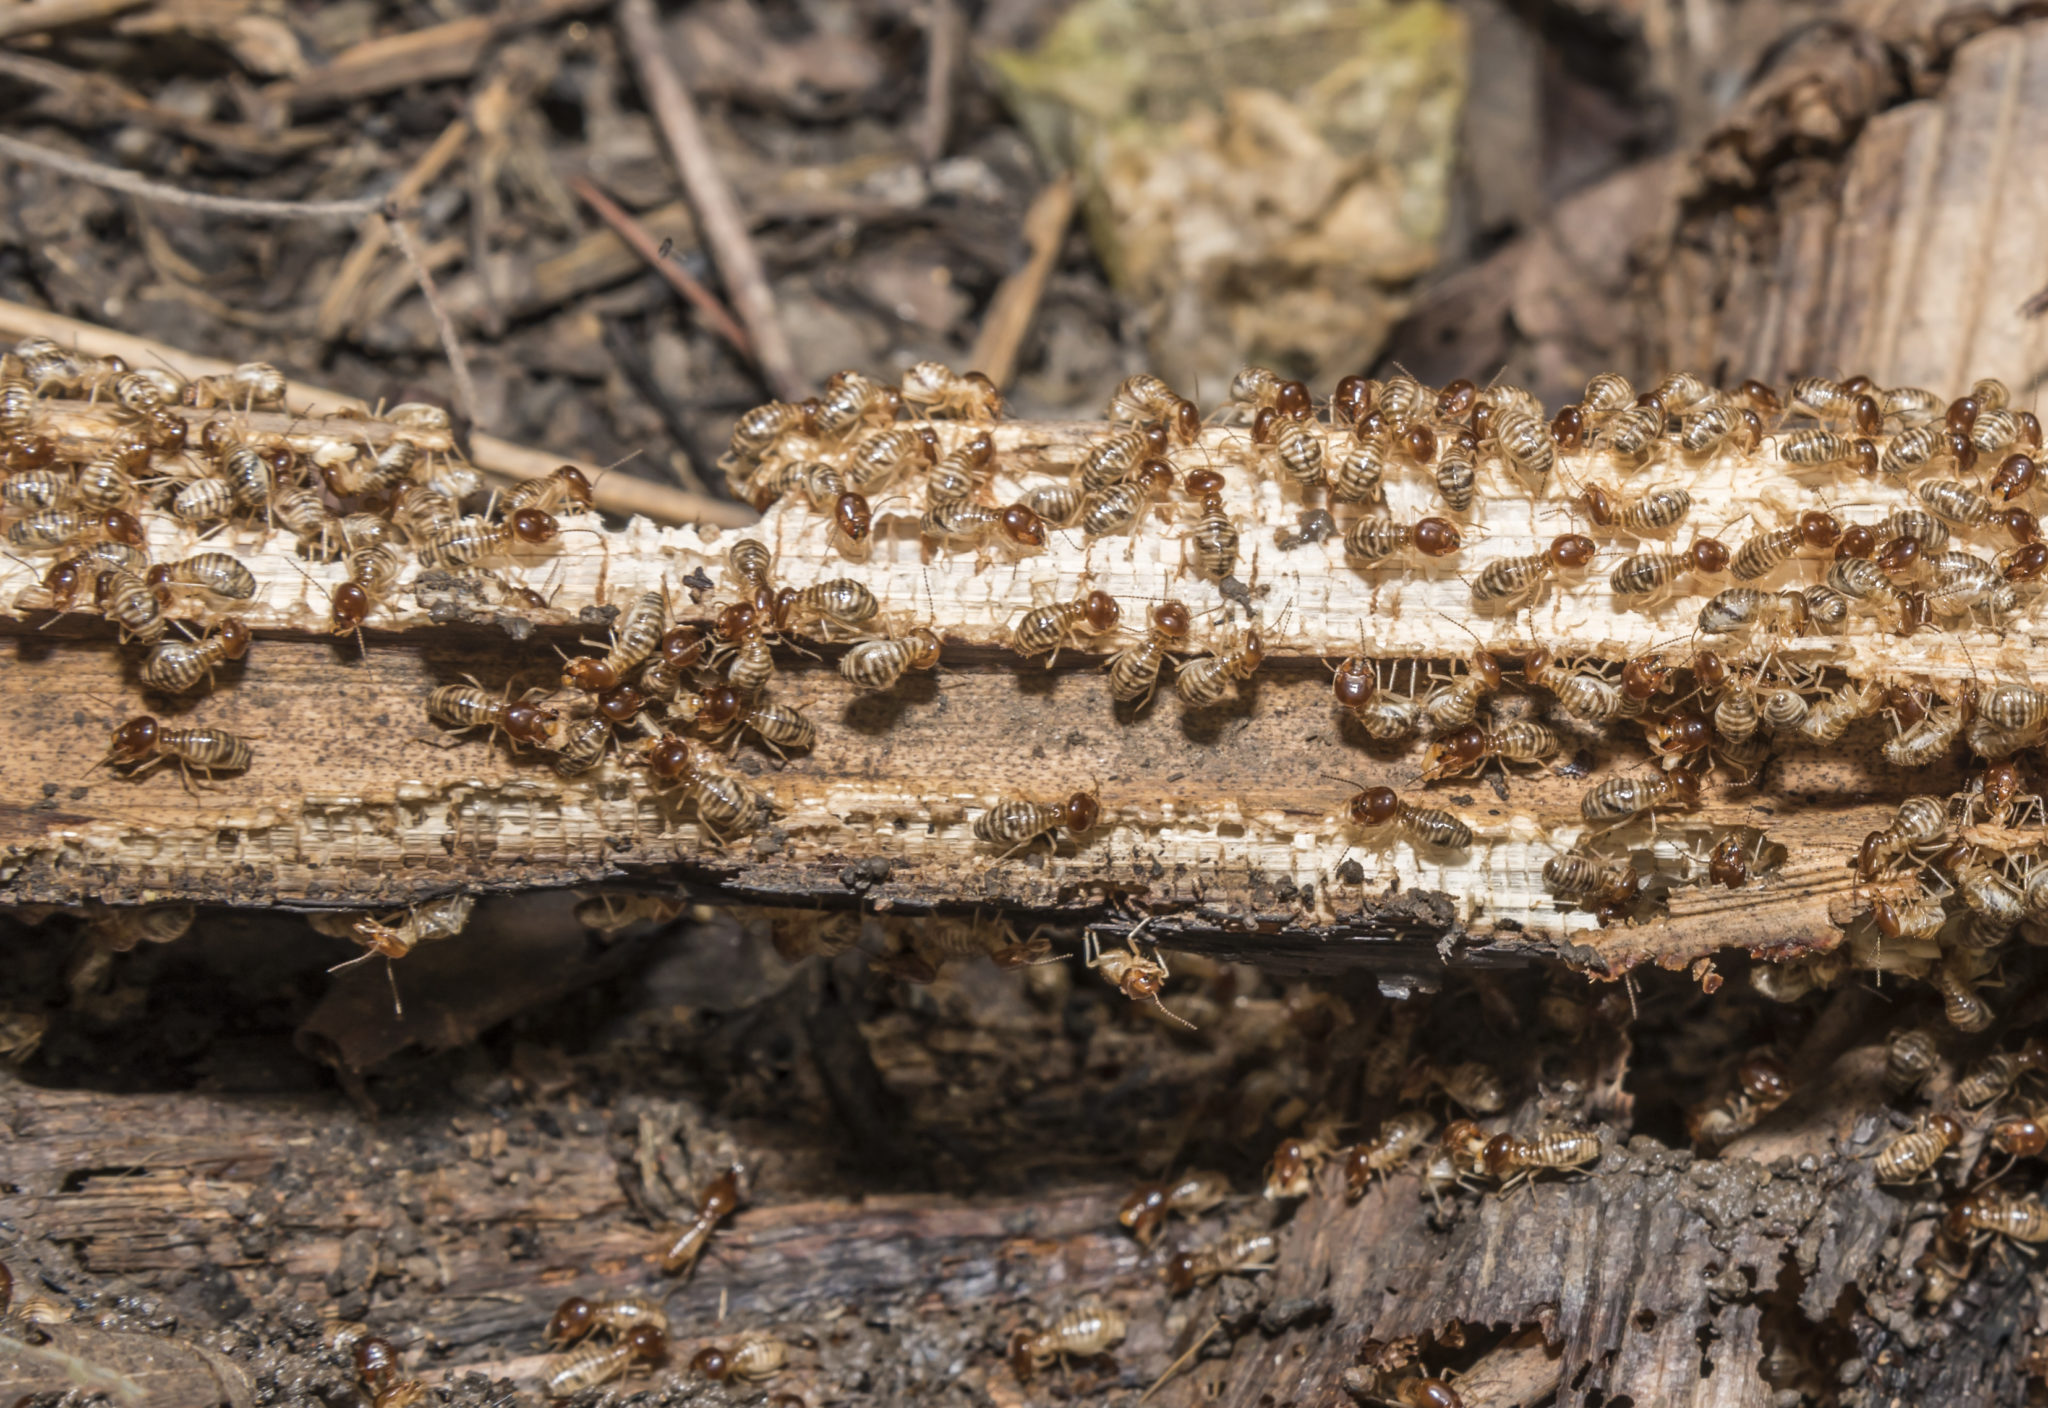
<point>1584,879</point>
<point>1385,716</point>
<point>1118,456</point>
<point>1358,469</point>
<point>1215,536</point>
<point>1581,693</point>
<point>1206,680</point>
<point>1830,716</point>
<point>592,1364</point>
<point>1134,671</point>
<point>760,430</point>
<point>1623,799</point>
<point>65,527</point>
<point>1994,1075</point>
<point>566,489</point>
<point>1911,1056</point>
<point>1651,574</point>
<point>686,1244</point>
<point>940,393</point>
<point>1712,429</point>
<point>1144,397</point>
<point>1994,1213</point>
<point>1472,747</point>
<point>1741,608</point>
<point>1133,974</point>
<point>1381,808</point>
<point>1511,1157</point>
<point>880,663</point>
<point>1375,539</point>
<point>1291,1171</point>
<point>129,602</point>
<point>1015,822</point>
<point>722,709</point>
<point>636,636</point>
<point>1121,506</point>
<point>1758,555</point>
<point>1921,824</point>
<point>1011,527</point>
<point>1961,1002</point>
<point>142,745</point>
<point>1189,1195</point>
<point>1909,1157</point>
<point>1631,433</point>
<point>1398,1137</point>
<point>1524,442</point>
<point>475,540</point>
<point>218,574</point>
<point>753,1358</point>
<point>1060,624</point>
<point>175,666</point>
<point>579,1316</point>
<point>1653,511</point>
<point>1081,1333</point>
<point>1509,583</point>
<point>1824,449</point>
<point>1239,1254</point>
<point>466,706</point>
<point>725,805</point>
<point>960,473</point>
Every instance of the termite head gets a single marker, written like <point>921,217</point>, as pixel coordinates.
<point>621,704</point>
<point>1568,429</point>
<point>63,580</point>
<point>351,604</point>
<point>376,1362</point>
<point>1760,397</point>
<point>1155,477</point>
<point>1355,683</point>
<point>1293,400</point>
<point>1899,555</point>
<point>1142,1210</point>
<point>1252,652</point>
<point>979,448</point>
<point>928,444</point>
<point>1080,812</point>
<point>1857,540</point>
<point>234,638</point>
<point>1945,1125</point>
<point>2026,563</point>
<point>123,527</point>
<point>588,672</point>
<point>1819,530</point>
<point>1100,611</point>
<point>712,1362</point>
<point>1727,866</point>
<point>648,1343</point>
<point>1500,1155</point>
<point>1708,671</point>
<point>1023,527</point>
<point>1570,550</point>
<point>722,1196</point>
<point>1203,483</point>
<point>682,646</point>
<point>1375,806</point>
<point>528,723</point>
<point>532,525</point>
<point>1643,676</point>
<point>1353,398</point>
<point>1764,1079</point>
<point>1436,537</point>
<point>1681,735</point>
<point>1171,619</point>
<point>573,1319</point>
<point>133,740</point>
<point>1708,555</point>
<point>575,485</point>
<point>1456,399</point>
<point>1262,425</point>
<point>1593,500</point>
<point>1420,443</point>
<point>669,757</point>
<point>852,516</point>
<point>1182,1272</point>
<point>1962,1217</point>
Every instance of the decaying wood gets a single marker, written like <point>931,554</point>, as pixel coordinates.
<point>1226,824</point>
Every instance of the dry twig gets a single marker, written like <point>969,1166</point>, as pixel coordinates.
<point>945,36</point>
<point>113,178</point>
<point>40,15</point>
<point>458,360</point>
<point>633,233</point>
<point>1016,299</point>
<point>332,316</point>
<point>718,211</point>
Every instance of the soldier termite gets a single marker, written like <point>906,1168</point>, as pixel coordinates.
<point>142,745</point>
<point>1060,624</point>
<point>1081,1333</point>
<point>1378,809</point>
<point>687,1242</point>
<point>1509,583</point>
<point>1189,1195</point>
<point>1241,1253</point>
<point>1133,974</point>
<point>940,393</point>
<point>591,1364</point>
<point>175,666</point>
<point>1398,1137</point>
<point>1909,1156</point>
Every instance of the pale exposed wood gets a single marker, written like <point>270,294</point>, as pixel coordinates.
<point>615,493</point>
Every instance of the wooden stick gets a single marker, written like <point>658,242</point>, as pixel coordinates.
<point>40,15</point>
<point>1016,300</point>
<point>718,211</point>
<point>945,34</point>
<point>631,231</point>
<point>332,316</point>
<point>116,179</point>
<point>616,493</point>
<point>451,342</point>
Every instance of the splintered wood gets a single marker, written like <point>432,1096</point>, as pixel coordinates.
<point>1631,684</point>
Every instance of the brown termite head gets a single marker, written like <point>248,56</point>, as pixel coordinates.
<point>1355,684</point>
<point>1155,477</point>
<point>1080,812</point>
<point>134,740</point>
<point>1351,399</point>
<point>1568,428</point>
<point>1858,540</point>
<point>1570,550</point>
<point>1143,1211</point>
<point>573,1319</point>
<point>1708,671</point>
<point>2015,474</point>
<point>376,1362</point>
<point>1264,424</point>
<point>1203,483</point>
<point>2020,1136</point>
<point>1183,1272</point>
<point>1021,526</point>
<point>1374,806</point>
<point>590,673</point>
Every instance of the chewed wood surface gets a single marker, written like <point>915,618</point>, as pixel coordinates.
<point>1235,825</point>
